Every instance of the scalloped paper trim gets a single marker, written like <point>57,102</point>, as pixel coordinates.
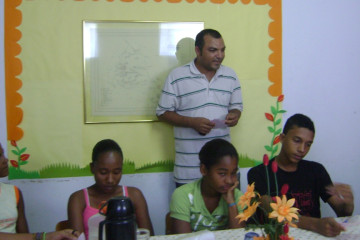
<point>13,65</point>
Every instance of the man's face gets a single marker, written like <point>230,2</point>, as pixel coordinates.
<point>296,143</point>
<point>212,54</point>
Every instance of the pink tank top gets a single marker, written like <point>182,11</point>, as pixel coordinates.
<point>90,211</point>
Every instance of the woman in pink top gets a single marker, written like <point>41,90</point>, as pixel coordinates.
<point>83,205</point>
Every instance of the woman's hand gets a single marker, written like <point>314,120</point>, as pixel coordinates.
<point>67,234</point>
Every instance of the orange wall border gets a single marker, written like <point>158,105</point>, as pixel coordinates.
<point>13,65</point>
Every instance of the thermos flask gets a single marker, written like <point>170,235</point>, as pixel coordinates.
<point>120,221</point>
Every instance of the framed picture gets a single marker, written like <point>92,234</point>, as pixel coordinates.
<point>126,64</point>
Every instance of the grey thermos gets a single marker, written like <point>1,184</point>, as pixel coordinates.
<point>120,221</point>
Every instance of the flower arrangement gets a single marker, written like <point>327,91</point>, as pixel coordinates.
<point>276,220</point>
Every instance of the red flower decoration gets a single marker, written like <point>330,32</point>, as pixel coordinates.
<point>269,117</point>
<point>285,237</point>
<point>266,159</point>
<point>280,98</point>
<point>286,228</point>
<point>274,166</point>
<point>24,157</point>
<point>13,143</point>
<point>284,189</point>
<point>276,140</point>
<point>14,163</point>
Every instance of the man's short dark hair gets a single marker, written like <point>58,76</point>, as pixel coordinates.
<point>214,150</point>
<point>199,41</point>
<point>299,120</point>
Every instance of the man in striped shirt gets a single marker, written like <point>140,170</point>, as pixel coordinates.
<point>201,99</point>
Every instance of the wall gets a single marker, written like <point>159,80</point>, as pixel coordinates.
<point>321,59</point>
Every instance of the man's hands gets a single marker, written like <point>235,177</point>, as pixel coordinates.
<point>202,125</point>
<point>232,117</point>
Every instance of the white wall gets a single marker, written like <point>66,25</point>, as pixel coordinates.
<point>321,73</point>
<point>321,78</point>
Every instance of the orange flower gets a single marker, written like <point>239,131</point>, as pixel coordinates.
<point>248,212</point>
<point>246,197</point>
<point>283,209</point>
<point>262,238</point>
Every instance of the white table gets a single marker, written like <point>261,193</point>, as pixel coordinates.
<point>352,232</point>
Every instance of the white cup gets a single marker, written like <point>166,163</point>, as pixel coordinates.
<point>142,234</point>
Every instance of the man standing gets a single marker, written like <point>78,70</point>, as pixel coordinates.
<point>308,181</point>
<point>202,99</point>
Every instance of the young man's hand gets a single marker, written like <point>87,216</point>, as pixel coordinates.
<point>342,199</point>
<point>329,227</point>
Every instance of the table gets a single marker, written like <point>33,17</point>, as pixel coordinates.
<point>352,232</point>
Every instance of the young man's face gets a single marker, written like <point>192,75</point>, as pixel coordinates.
<point>296,144</point>
<point>221,176</point>
<point>212,54</point>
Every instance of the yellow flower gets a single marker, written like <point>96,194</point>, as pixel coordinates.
<point>246,197</point>
<point>283,209</point>
<point>248,212</point>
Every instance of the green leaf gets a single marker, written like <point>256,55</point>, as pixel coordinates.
<point>23,162</point>
<point>268,148</point>
<point>277,132</point>
<point>271,129</point>
<point>275,148</point>
<point>282,111</point>
<point>15,152</point>
<point>277,122</point>
<point>273,110</point>
<point>23,150</point>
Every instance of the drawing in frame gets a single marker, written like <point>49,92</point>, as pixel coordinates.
<point>126,64</point>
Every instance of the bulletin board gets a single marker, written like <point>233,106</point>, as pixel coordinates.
<point>47,133</point>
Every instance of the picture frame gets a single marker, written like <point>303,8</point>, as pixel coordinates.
<point>126,64</point>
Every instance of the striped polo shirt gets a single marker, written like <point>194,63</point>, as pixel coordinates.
<point>188,92</point>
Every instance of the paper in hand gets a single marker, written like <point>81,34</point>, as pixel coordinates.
<point>219,123</point>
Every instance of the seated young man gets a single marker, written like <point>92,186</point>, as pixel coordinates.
<point>210,202</point>
<point>307,180</point>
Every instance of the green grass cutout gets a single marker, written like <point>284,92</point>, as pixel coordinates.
<point>246,162</point>
<point>60,170</point>
<point>162,166</point>
<point>15,173</point>
<point>64,170</point>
